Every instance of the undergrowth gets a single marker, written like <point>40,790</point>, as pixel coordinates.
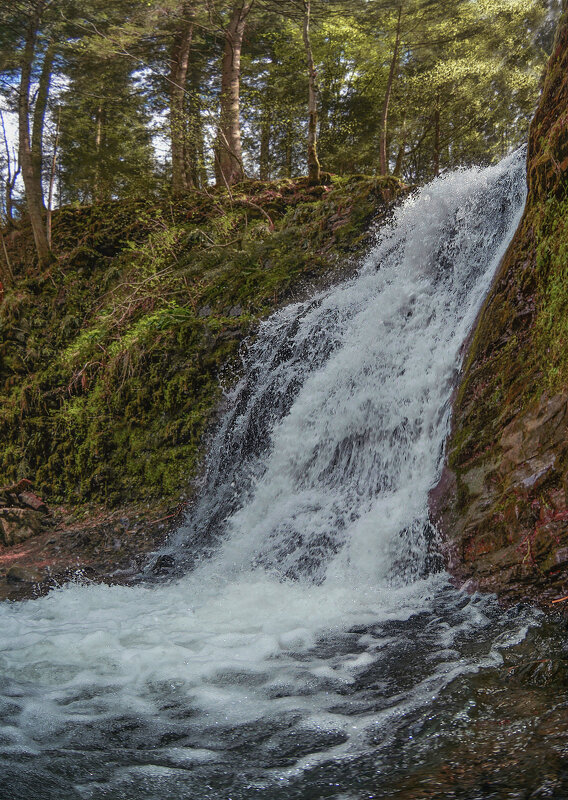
<point>109,361</point>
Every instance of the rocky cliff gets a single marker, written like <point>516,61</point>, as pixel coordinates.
<point>503,499</point>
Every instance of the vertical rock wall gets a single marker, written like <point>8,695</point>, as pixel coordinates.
<point>503,500</point>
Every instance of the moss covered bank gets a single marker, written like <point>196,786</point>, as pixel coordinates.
<point>111,362</point>
<point>503,501</point>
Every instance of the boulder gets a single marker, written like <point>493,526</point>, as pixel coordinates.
<point>19,574</point>
<point>19,524</point>
<point>21,513</point>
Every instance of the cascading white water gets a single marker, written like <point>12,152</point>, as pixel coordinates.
<point>304,580</point>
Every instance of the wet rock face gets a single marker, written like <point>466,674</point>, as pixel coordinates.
<point>502,502</point>
<point>506,516</point>
<point>22,514</point>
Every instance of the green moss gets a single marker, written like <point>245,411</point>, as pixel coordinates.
<point>551,329</point>
<point>110,362</point>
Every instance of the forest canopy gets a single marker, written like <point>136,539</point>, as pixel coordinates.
<point>143,97</point>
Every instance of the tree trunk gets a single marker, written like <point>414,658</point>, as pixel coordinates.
<point>289,142</point>
<point>228,150</point>
<point>32,180</point>
<point>195,155</point>
<point>179,63</point>
<point>39,115</point>
<point>314,168</point>
<point>383,153</point>
<point>264,160</point>
<point>97,184</point>
<point>437,138</point>
<point>11,176</point>
<point>52,173</point>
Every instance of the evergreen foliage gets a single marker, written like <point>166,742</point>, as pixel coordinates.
<point>433,85</point>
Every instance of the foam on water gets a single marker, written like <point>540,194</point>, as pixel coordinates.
<point>302,582</point>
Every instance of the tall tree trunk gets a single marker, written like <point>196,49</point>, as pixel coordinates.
<point>179,63</point>
<point>437,138</point>
<point>39,115</point>
<point>289,142</point>
<point>314,168</point>
<point>11,176</point>
<point>264,160</point>
<point>195,155</point>
<point>52,173</point>
<point>32,180</point>
<point>97,183</point>
<point>383,153</point>
<point>228,150</point>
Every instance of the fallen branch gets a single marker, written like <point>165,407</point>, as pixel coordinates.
<point>246,202</point>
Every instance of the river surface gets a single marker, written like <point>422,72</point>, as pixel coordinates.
<point>306,642</point>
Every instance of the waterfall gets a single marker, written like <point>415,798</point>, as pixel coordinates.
<point>323,465</point>
<point>303,581</point>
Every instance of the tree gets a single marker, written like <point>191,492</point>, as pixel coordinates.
<point>179,64</point>
<point>384,165</point>
<point>410,86</point>
<point>229,158</point>
<point>313,161</point>
<point>10,170</point>
<point>273,93</point>
<point>105,141</point>
<point>30,144</point>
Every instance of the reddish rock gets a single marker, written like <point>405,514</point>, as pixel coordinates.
<point>33,501</point>
<point>513,537</point>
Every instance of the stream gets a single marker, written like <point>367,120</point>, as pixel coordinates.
<point>306,642</point>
